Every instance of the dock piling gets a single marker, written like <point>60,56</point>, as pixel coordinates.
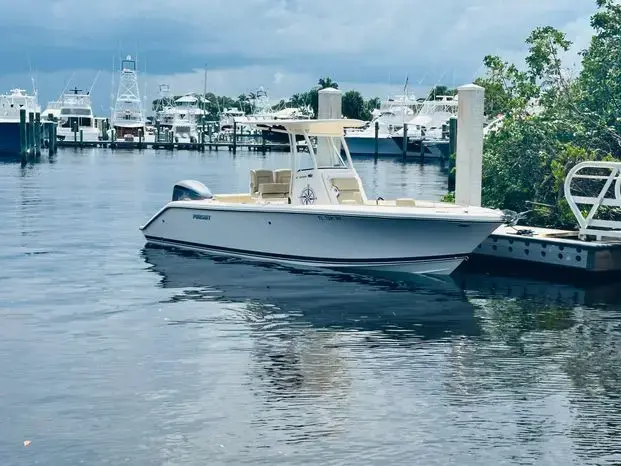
<point>376,147</point>
<point>31,136</point>
<point>22,133</point>
<point>330,106</point>
<point>405,140</point>
<point>37,134</point>
<point>469,150</point>
<point>234,137</point>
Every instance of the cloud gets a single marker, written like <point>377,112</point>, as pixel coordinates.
<point>284,45</point>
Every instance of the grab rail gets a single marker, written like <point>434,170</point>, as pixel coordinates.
<point>589,223</point>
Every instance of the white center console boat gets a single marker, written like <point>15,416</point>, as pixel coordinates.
<point>316,213</point>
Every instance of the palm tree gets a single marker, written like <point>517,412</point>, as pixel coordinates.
<point>327,82</point>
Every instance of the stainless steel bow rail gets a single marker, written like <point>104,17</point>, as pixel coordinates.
<point>592,190</point>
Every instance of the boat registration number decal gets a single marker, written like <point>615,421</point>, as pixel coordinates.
<point>329,218</point>
<point>201,217</point>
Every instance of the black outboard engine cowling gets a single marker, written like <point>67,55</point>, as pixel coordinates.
<point>190,190</point>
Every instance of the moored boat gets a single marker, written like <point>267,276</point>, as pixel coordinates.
<point>316,213</point>
<point>10,106</point>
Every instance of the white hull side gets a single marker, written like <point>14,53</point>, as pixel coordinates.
<point>406,245</point>
<point>365,145</point>
<point>89,134</point>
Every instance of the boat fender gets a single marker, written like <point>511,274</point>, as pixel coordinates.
<point>190,190</point>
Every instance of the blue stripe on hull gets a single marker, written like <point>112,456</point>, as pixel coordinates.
<point>286,257</point>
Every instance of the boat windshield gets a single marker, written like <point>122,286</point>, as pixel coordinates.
<point>328,153</point>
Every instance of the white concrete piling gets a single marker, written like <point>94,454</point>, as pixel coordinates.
<point>330,106</point>
<point>330,103</point>
<point>469,159</point>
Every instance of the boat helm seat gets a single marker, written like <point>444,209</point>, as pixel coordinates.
<point>405,202</point>
<point>282,175</point>
<point>273,190</point>
<point>257,177</point>
<point>347,189</point>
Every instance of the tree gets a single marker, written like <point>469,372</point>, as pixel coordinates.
<point>507,89</point>
<point>327,82</point>
<point>599,83</point>
<point>354,106</point>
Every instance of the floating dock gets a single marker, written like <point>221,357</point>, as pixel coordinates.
<point>544,246</point>
<point>593,193</point>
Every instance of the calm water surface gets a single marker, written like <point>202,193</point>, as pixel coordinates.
<point>112,353</point>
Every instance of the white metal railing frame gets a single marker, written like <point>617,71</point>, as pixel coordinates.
<point>589,224</point>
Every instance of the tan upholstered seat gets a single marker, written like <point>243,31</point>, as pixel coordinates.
<point>348,190</point>
<point>258,177</point>
<point>405,202</point>
<point>348,201</point>
<point>273,190</point>
<point>282,175</point>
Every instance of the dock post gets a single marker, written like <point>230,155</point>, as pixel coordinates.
<point>203,134</point>
<point>405,140</point>
<point>376,147</point>
<point>469,158</point>
<point>330,106</point>
<point>139,138</point>
<point>31,133</point>
<point>452,152</point>
<point>37,134</point>
<point>81,138</point>
<point>74,130</point>
<point>234,137</point>
<point>453,135</point>
<point>157,130</point>
<point>210,129</point>
<point>23,134</point>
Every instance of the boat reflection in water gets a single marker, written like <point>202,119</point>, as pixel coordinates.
<point>526,354</point>
<point>421,307</point>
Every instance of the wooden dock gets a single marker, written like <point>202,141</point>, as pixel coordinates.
<point>195,146</point>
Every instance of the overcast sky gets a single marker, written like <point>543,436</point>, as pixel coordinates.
<point>282,45</point>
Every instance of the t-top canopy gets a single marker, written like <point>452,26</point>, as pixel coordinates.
<point>329,128</point>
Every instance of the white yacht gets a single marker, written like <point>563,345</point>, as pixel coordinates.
<point>187,115</point>
<point>10,106</point>
<point>231,115</point>
<point>427,131</point>
<point>390,117</point>
<point>74,114</point>
<point>316,213</point>
<point>128,118</point>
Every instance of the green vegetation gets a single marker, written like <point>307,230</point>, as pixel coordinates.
<point>552,120</point>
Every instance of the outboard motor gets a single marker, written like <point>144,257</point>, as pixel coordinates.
<point>190,190</point>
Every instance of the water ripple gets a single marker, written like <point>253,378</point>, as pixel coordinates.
<point>115,353</point>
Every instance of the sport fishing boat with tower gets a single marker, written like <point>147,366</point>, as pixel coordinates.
<point>128,120</point>
<point>316,213</point>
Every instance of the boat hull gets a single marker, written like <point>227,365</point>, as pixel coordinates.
<point>9,138</point>
<point>406,245</point>
<point>365,145</point>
